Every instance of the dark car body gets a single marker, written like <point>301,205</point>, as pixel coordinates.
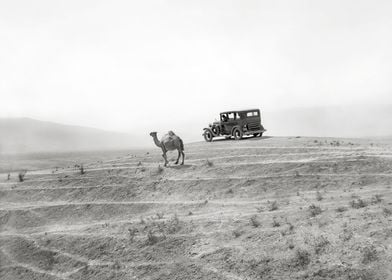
<point>236,124</point>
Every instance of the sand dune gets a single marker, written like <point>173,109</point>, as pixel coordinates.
<point>271,208</point>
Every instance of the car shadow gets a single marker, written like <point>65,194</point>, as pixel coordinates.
<point>178,166</point>
<point>244,138</point>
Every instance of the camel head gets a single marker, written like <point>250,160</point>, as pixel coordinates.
<point>153,134</point>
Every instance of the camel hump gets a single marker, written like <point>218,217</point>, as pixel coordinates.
<point>171,133</point>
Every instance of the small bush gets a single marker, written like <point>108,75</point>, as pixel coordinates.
<point>376,199</point>
<point>359,203</point>
<point>301,257</point>
<point>174,225</point>
<point>387,212</point>
<point>254,221</point>
<point>320,243</point>
<point>369,254</point>
<point>159,169</point>
<point>151,238</point>
<point>116,265</point>
<point>346,235</point>
<point>132,233</point>
<point>319,197</point>
<point>314,210</point>
<point>81,169</point>
<point>160,215</point>
<point>209,163</point>
<point>275,223</point>
<point>237,233</point>
<point>273,206</point>
<point>21,175</point>
<point>341,209</point>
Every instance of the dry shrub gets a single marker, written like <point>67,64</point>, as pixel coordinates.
<point>275,223</point>
<point>132,233</point>
<point>21,175</point>
<point>159,169</point>
<point>151,238</point>
<point>314,210</point>
<point>81,169</point>
<point>254,221</point>
<point>320,243</point>
<point>173,225</point>
<point>341,209</point>
<point>273,206</point>
<point>237,233</point>
<point>387,212</point>
<point>116,265</point>
<point>359,203</point>
<point>376,199</point>
<point>319,197</point>
<point>346,235</point>
<point>209,163</point>
<point>301,257</point>
<point>369,254</point>
<point>160,215</point>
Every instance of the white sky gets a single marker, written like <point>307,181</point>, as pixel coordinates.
<point>123,65</point>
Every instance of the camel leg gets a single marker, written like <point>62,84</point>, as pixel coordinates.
<point>178,158</point>
<point>165,158</point>
<point>183,157</point>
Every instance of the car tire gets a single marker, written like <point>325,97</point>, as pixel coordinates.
<point>208,135</point>
<point>237,133</point>
<point>215,130</point>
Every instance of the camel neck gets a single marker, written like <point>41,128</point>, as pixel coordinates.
<point>156,141</point>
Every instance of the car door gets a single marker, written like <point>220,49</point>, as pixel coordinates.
<point>230,123</point>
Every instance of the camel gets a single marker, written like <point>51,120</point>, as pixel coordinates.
<point>170,142</point>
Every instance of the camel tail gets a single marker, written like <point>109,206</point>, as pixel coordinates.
<point>182,145</point>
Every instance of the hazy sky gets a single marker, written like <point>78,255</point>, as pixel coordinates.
<point>123,65</point>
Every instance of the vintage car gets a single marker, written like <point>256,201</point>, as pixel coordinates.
<point>235,124</point>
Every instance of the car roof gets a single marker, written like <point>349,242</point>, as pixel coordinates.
<point>240,111</point>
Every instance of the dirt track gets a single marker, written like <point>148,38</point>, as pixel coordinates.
<point>271,208</point>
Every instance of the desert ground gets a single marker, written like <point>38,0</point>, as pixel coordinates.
<point>259,208</point>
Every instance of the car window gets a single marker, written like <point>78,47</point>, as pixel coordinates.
<point>252,114</point>
<point>232,116</point>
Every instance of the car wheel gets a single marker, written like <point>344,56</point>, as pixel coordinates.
<point>208,135</point>
<point>237,133</point>
<point>215,130</point>
<point>255,134</point>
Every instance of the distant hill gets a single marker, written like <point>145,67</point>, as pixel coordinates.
<point>334,121</point>
<point>23,135</point>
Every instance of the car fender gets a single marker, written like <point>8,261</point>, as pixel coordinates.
<point>207,129</point>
